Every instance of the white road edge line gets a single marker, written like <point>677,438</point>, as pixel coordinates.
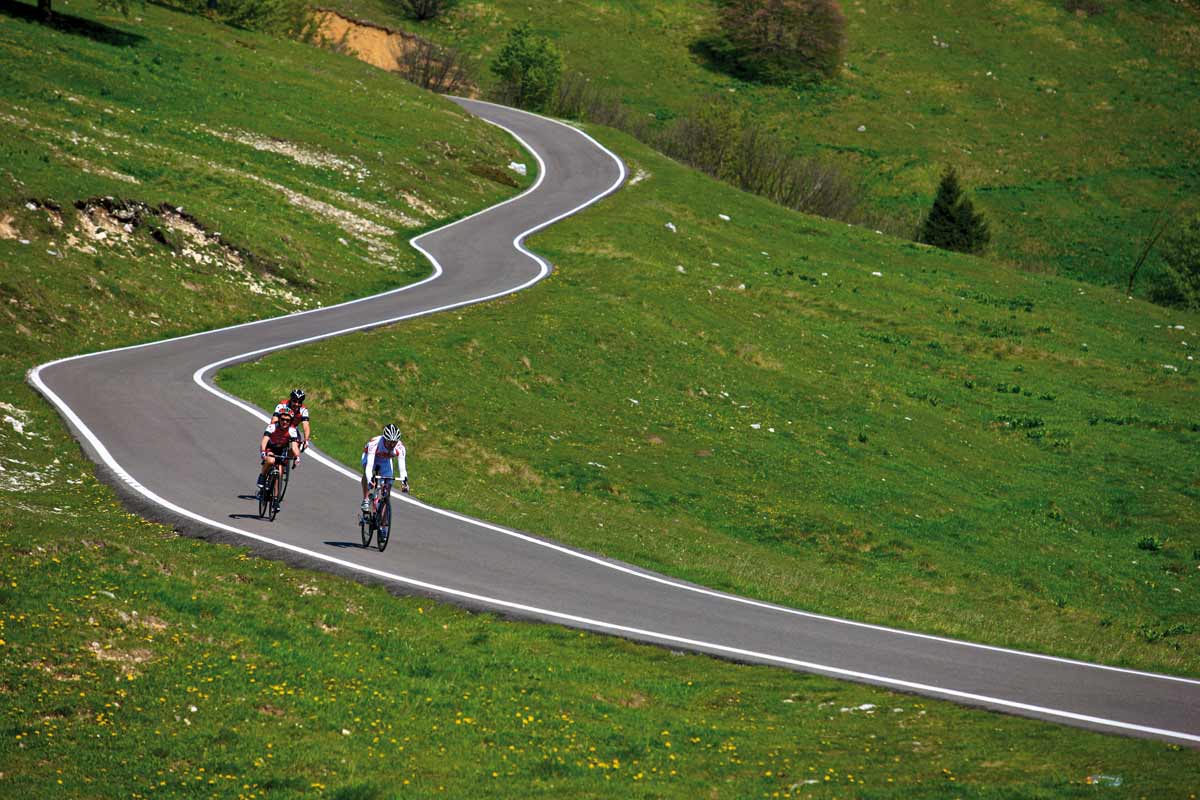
<point>133,483</point>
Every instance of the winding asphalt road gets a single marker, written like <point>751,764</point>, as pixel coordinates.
<point>123,404</point>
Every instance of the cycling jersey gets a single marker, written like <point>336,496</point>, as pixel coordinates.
<point>300,415</point>
<point>280,438</point>
<point>376,453</point>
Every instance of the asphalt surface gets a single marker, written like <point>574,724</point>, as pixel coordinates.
<point>126,407</point>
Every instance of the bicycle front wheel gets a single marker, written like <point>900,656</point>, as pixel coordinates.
<point>364,528</point>
<point>264,497</point>
<point>385,523</point>
<point>273,502</point>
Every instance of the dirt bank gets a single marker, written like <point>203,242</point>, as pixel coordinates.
<point>387,49</point>
<point>374,44</point>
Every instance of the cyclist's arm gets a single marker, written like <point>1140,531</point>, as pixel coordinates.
<point>369,467</point>
<point>262,446</point>
<point>401,473</point>
<point>307,432</point>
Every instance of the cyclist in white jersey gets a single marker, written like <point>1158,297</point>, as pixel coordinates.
<point>377,457</point>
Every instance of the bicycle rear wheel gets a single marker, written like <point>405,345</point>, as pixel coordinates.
<point>287,474</point>
<point>385,523</point>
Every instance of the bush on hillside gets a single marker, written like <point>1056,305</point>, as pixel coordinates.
<point>275,16</point>
<point>287,17</point>
<point>579,97</point>
<point>46,9</point>
<point>1084,8</point>
<point>529,67</point>
<point>765,166</point>
<point>952,222</point>
<point>714,140</point>
<point>1179,285</point>
<point>433,67</point>
<point>707,138</point>
<point>422,10</point>
<point>778,41</point>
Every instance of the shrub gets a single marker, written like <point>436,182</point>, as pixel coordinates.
<point>1151,543</point>
<point>529,67</point>
<point>713,140</point>
<point>286,17</point>
<point>578,97</point>
<point>425,9</point>
<point>952,222</point>
<point>706,138</point>
<point>433,67</point>
<point>1179,285</point>
<point>1085,8</point>
<point>778,41</point>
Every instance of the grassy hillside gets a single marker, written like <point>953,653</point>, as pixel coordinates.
<point>813,414</point>
<point>136,663</point>
<point>256,177</point>
<point>1073,132</point>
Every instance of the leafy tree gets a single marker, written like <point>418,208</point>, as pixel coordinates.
<point>425,9</point>
<point>779,41</point>
<point>528,67</point>
<point>953,223</point>
<point>1180,283</point>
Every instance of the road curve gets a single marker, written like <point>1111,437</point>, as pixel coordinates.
<point>122,404</point>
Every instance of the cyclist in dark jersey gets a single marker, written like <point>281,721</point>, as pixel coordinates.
<point>295,403</point>
<point>279,440</point>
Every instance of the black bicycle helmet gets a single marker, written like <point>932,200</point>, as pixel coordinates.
<point>391,433</point>
<point>298,395</point>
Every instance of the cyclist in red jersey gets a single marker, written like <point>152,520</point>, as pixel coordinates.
<point>295,404</point>
<point>279,440</point>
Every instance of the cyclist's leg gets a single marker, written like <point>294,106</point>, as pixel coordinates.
<point>383,473</point>
<point>366,506</point>
<point>264,467</point>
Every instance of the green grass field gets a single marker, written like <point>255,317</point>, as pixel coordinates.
<point>135,663</point>
<point>302,176</point>
<point>812,414</point>
<point>1073,132</point>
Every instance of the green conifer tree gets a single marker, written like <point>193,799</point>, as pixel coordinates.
<point>953,223</point>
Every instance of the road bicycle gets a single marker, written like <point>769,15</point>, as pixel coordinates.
<point>378,520</point>
<point>270,495</point>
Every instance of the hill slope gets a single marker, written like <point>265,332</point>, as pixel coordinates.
<point>1073,131</point>
<point>136,663</point>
